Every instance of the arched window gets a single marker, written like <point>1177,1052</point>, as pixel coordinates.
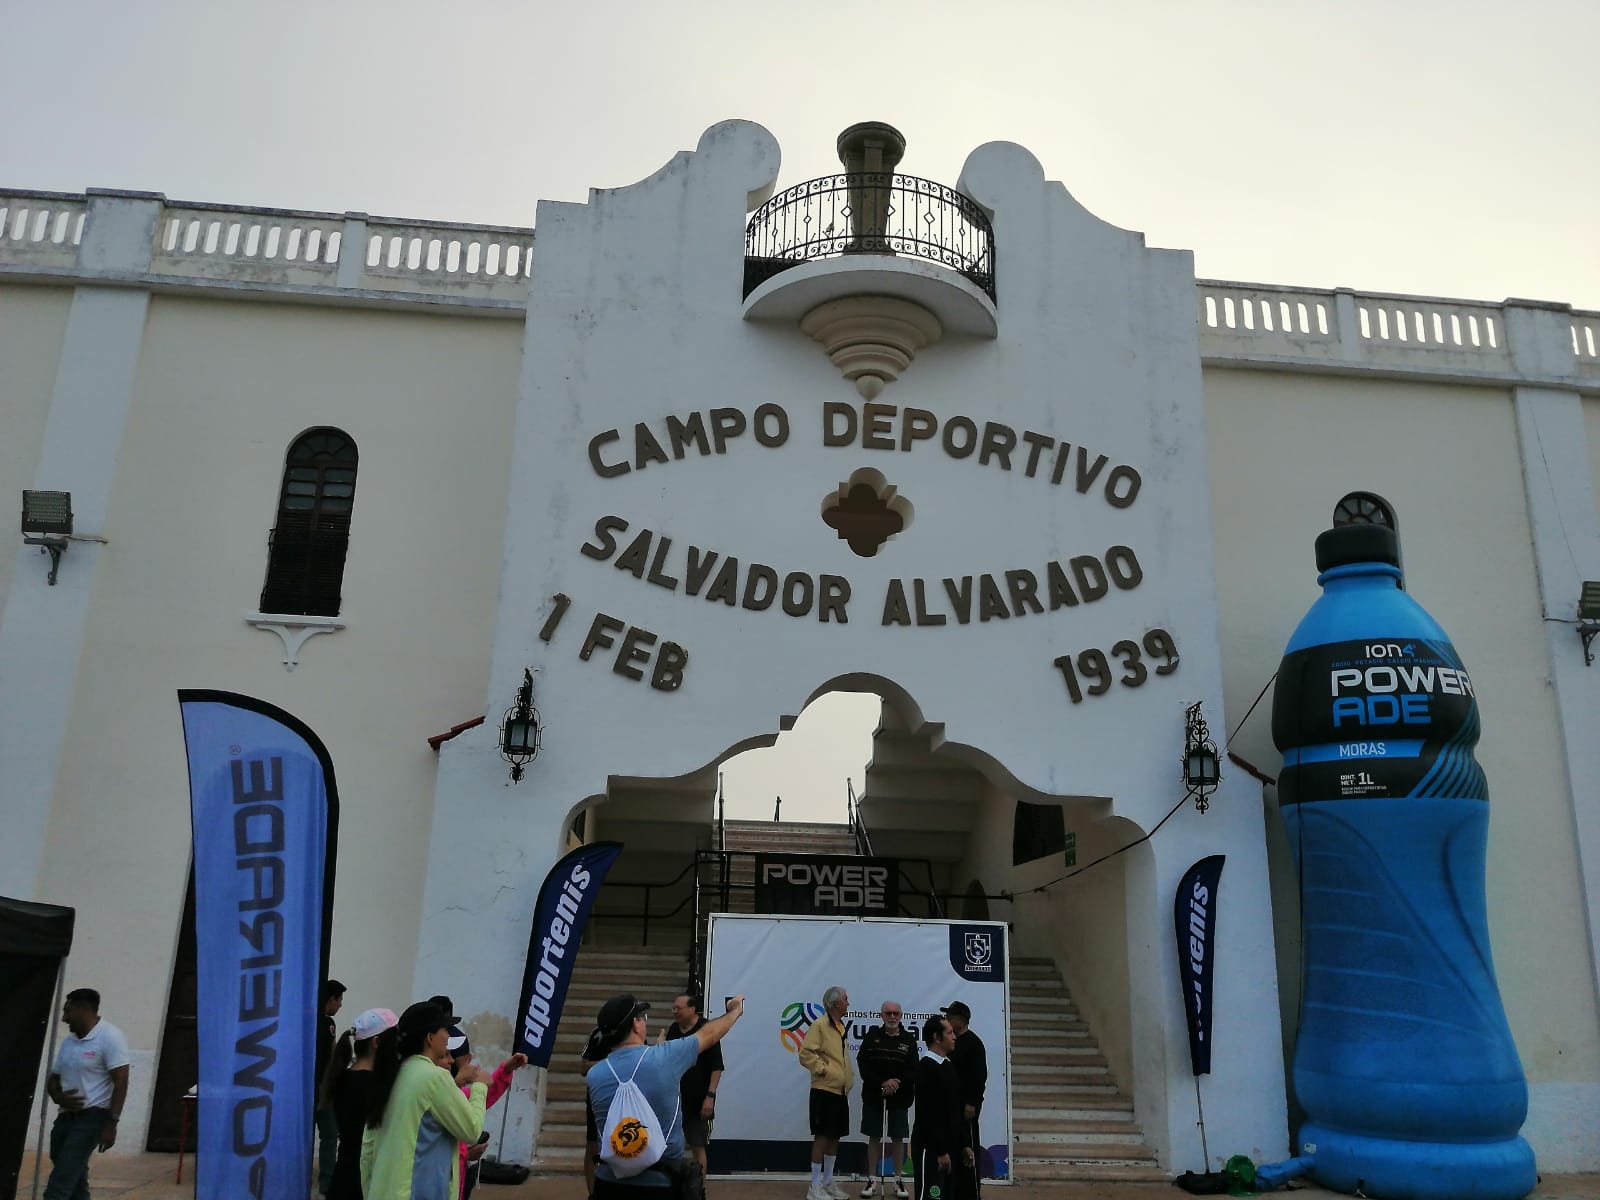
<point>1363,508</point>
<point>305,563</point>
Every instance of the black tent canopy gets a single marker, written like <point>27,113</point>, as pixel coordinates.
<point>34,938</point>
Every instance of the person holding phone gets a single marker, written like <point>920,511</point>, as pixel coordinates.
<point>417,1115</point>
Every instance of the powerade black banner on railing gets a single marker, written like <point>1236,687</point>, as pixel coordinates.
<point>810,885</point>
<point>1194,915</point>
<point>565,902</point>
<point>265,814</point>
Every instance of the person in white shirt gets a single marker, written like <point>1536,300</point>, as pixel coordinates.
<point>89,1082</point>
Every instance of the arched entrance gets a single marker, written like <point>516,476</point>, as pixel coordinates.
<point>942,816</point>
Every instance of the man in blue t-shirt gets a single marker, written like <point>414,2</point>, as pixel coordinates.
<point>657,1071</point>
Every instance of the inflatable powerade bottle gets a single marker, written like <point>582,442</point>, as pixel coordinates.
<point>1404,1063</point>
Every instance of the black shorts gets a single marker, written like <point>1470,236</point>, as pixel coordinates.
<point>872,1121</point>
<point>830,1114</point>
<point>696,1129</point>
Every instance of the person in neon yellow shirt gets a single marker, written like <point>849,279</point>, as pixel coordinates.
<point>417,1113</point>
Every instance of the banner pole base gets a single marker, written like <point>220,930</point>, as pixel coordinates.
<point>1200,1104</point>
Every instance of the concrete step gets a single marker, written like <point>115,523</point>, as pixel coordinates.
<point>1069,1119</point>
<point>1051,1025</point>
<point>1131,1154</point>
<point>1050,1095</point>
<point>1065,1052</point>
<point>1078,1133</point>
<point>1030,1072</point>
<point>559,1160</point>
<point>566,1086</point>
<point>1052,1171</point>
<point>1081,1108</point>
<point>562,1135</point>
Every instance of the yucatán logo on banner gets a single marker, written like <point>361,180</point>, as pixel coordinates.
<point>978,952</point>
<point>823,885</point>
<point>1194,916</point>
<point>264,811</point>
<point>565,901</point>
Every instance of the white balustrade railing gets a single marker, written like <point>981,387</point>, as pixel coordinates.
<point>495,261</point>
<point>259,245</point>
<point>1586,342</point>
<point>1280,321</point>
<point>352,253</point>
<point>41,229</point>
<point>1399,328</point>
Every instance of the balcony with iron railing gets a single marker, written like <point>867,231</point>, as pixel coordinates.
<point>876,212</point>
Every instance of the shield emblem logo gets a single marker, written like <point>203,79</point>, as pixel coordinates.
<point>978,949</point>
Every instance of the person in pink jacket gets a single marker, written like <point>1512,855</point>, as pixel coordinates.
<point>499,1085</point>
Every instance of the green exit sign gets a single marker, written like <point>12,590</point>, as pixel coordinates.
<point>1072,849</point>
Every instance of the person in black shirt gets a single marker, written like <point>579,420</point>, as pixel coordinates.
<point>972,1065</point>
<point>698,1088</point>
<point>344,1092</point>
<point>594,1050</point>
<point>939,1142</point>
<point>888,1064</point>
<point>327,1122</point>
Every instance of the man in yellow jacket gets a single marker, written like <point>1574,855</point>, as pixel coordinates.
<point>824,1055</point>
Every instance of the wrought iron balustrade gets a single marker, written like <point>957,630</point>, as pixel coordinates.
<point>869,213</point>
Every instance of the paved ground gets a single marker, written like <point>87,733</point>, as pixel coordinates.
<point>150,1177</point>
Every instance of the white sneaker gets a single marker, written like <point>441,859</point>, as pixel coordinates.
<point>834,1190</point>
<point>817,1192</point>
<point>870,1190</point>
<point>900,1192</point>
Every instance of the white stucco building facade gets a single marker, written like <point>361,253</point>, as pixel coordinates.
<point>604,450</point>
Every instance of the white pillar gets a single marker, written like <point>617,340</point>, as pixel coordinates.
<point>42,630</point>
<point>1557,476</point>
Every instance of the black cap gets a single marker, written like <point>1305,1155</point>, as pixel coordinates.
<point>445,1003</point>
<point>617,1014</point>
<point>1347,544</point>
<point>957,1009</point>
<point>423,1017</point>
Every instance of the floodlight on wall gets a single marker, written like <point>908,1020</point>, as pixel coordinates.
<point>47,524</point>
<point>520,730</point>
<point>1589,617</point>
<point>1201,766</point>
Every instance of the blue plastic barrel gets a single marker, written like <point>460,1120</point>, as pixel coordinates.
<point>1404,1062</point>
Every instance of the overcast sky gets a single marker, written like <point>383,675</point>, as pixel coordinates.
<point>1441,147</point>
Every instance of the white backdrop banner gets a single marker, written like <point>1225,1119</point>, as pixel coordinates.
<point>784,964</point>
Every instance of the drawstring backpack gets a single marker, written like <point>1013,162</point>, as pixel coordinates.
<point>633,1140</point>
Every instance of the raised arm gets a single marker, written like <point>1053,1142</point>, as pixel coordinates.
<point>713,1031</point>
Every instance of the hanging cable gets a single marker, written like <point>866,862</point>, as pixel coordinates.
<point>1251,709</point>
<point>1033,891</point>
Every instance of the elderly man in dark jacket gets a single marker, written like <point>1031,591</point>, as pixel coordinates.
<point>888,1064</point>
<point>939,1140</point>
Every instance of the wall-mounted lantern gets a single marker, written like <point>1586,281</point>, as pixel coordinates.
<point>1589,617</point>
<point>47,523</point>
<point>520,731</point>
<point>1202,769</point>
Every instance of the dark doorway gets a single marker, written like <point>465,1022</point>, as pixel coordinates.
<point>179,1067</point>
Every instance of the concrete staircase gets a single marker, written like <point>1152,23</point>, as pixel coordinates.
<point>1070,1121</point>
<point>772,837</point>
<point>652,974</point>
